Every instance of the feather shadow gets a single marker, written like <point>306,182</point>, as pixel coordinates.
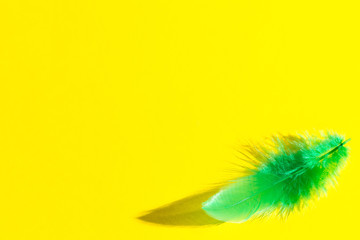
<point>184,212</point>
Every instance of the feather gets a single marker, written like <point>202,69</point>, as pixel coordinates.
<point>283,175</point>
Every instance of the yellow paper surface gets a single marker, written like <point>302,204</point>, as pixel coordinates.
<point>111,108</point>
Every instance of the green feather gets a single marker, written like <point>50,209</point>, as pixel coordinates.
<point>283,175</point>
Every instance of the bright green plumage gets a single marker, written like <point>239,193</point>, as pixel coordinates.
<point>283,176</point>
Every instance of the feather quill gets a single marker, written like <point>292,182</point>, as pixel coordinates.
<point>283,175</point>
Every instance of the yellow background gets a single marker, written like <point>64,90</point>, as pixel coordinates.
<point>110,108</point>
